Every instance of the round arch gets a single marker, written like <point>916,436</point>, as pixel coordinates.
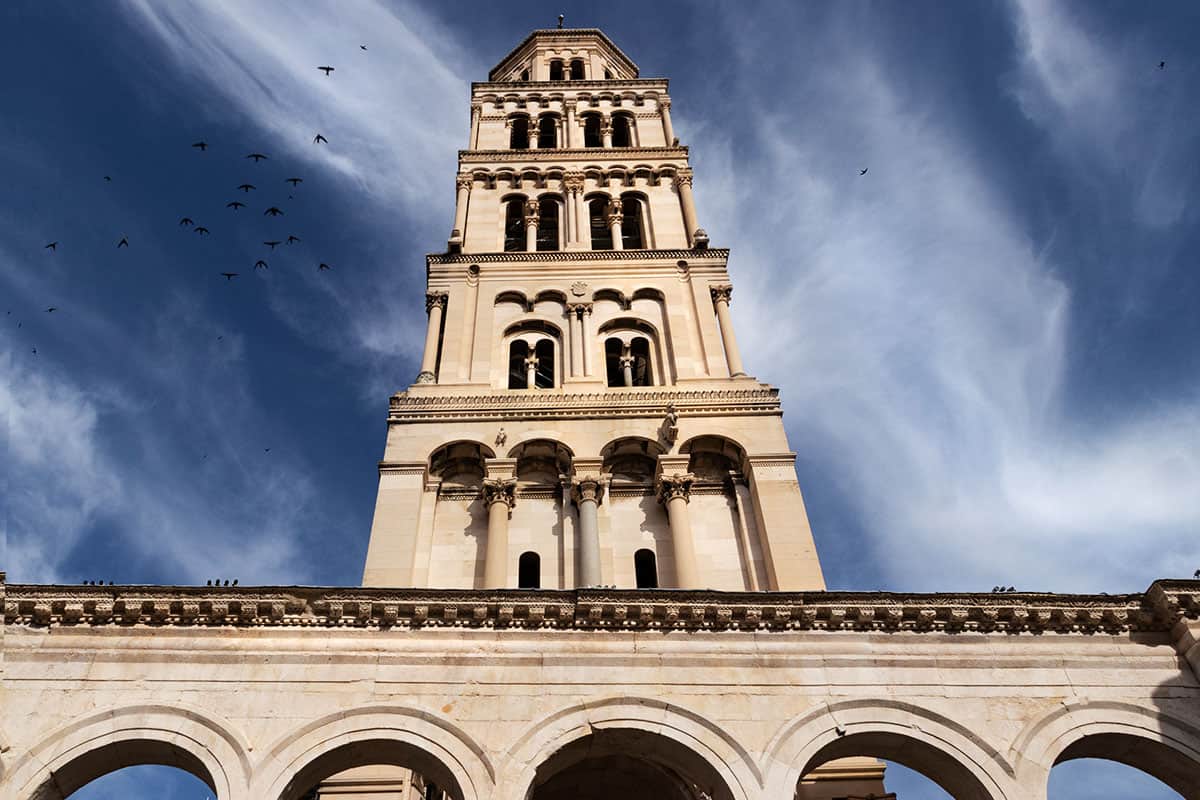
<point>1149,739</point>
<point>949,754</point>
<point>103,742</point>
<point>685,729</point>
<point>709,450</point>
<point>398,735</point>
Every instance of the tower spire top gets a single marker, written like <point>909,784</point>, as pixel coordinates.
<point>560,21</point>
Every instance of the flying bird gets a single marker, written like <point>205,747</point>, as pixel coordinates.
<point>186,221</point>
<point>108,178</point>
<point>272,211</point>
<point>318,139</point>
<point>257,157</point>
<point>123,243</point>
<point>260,264</point>
<point>246,187</point>
<point>323,266</point>
<point>291,239</point>
<point>362,47</point>
<point>294,181</point>
<point>235,205</point>
<point>201,146</point>
<point>51,309</point>
<point>230,275</point>
<point>271,244</point>
<point>326,70</point>
<point>863,171</point>
<point>52,246</point>
<point>1196,574</point>
<point>1162,65</point>
<point>200,229</point>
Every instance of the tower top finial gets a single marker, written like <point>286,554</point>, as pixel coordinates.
<point>560,20</point>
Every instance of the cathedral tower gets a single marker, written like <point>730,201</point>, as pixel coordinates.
<point>582,415</point>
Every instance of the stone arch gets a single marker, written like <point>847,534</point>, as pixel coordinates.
<point>407,736</point>
<point>99,743</point>
<point>460,462</point>
<point>714,454</point>
<point>951,755</point>
<point>1157,743</point>
<point>541,460</point>
<point>684,728</point>
<point>631,459</point>
<point>514,296</point>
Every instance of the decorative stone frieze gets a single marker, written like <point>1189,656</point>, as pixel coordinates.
<point>715,254</point>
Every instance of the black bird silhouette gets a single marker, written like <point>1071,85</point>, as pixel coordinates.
<point>260,264</point>
<point>51,309</point>
<point>1162,65</point>
<point>326,70</point>
<point>35,351</point>
<point>362,47</point>
<point>257,157</point>
<point>272,211</point>
<point>123,243</point>
<point>235,581</point>
<point>863,171</point>
<point>202,146</point>
<point>200,229</point>
<point>208,582</point>
<point>52,246</point>
<point>294,181</point>
<point>186,221</point>
<point>323,266</point>
<point>318,139</point>
<point>235,205</point>
<point>108,178</point>
<point>230,275</point>
<point>246,187</point>
<point>291,239</point>
<point>266,449</point>
<point>1196,574</point>
<point>272,244</point>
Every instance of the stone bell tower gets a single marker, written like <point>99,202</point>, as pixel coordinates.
<point>582,415</point>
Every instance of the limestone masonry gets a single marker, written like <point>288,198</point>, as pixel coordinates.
<point>610,588</point>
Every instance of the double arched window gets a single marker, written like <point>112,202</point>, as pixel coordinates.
<point>519,210</point>
<point>533,353</point>
<point>628,363</point>
<point>601,211</point>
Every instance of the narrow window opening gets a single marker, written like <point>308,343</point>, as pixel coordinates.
<point>598,216</point>
<point>622,136</point>
<point>577,69</point>
<point>544,375</point>
<point>547,133</point>
<point>631,224</point>
<point>524,74</point>
<point>518,351</point>
<point>613,349</point>
<point>529,571</point>
<point>608,75</point>
<point>514,226</point>
<point>591,131</point>
<point>645,569</point>
<point>640,350</point>
<point>518,138</point>
<point>556,70</point>
<point>547,231</point>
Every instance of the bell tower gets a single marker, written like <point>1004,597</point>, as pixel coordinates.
<point>582,415</point>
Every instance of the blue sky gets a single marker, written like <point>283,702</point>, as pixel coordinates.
<point>986,345</point>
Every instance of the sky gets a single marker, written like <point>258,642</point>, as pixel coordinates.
<point>986,345</point>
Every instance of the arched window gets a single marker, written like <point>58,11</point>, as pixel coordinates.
<point>547,138</point>
<point>613,350</point>
<point>529,571</point>
<point>622,135</point>
<point>577,69</point>
<point>645,569</point>
<point>639,350</point>
<point>628,364</point>
<point>607,74</point>
<point>632,237</point>
<point>547,231</point>
<point>518,372</point>
<point>556,70</point>
<point>524,74</point>
<point>514,225</point>
<point>598,216</point>
<point>544,376</point>
<point>518,137</point>
<point>591,131</point>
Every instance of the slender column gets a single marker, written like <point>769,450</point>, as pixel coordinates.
<point>673,492</point>
<point>569,130</point>
<point>683,183</point>
<point>435,305</point>
<point>532,130</point>
<point>741,499</point>
<point>587,492</point>
<point>573,184</point>
<point>664,106</point>
<point>587,339</point>
<point>531,225</point>
<point>606,129</point>
<point>531,372</point>
<point>627,369</point>
<point>720,296</point>
<point>476,113</point>
<point>615,217</point>
<point>575,320</point>
<point>499,495</point>
<point>463,184</point>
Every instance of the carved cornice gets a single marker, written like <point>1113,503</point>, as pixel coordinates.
<point>1164,605</point>
<point>713,254</point>
<point>571,154</point>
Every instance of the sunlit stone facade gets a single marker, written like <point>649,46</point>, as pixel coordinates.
<point>590,573</point>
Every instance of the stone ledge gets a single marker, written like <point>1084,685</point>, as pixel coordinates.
<point>1158,609</point>
<point>570,154</point>
<point>710,254</point>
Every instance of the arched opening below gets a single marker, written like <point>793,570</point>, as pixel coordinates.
<point>370,762</point>
<point>547,230</point>
<point>629,764</point>
<point>518,371</point>
<point>547,133</point>
<point>632,235</point>
<point>514,225</point>
<point>1099,779</point>
<point>529,571</point>
<point>645,568</point>
<point>577,69</point>
<point>591,131</point>
<point>940,767</point>
<point>103,772</point>
<point>544,376</point>
<point>1159,770</point>
<point>556,70</point>
<point>518,137</point>
<point>622,133</point>
<point>146,780</point>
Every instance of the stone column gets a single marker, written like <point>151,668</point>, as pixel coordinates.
<point>683,183</point>
<point>569,129</point>
<point>627,369</point>
<point>463,183</point>
<point>533,132</point>
<point>606,129</point>
<point>575,326</point>
<point>615,217</point>
<point>664,105</point>
<point>587,492</point>
<point>673,492</point>
<point>573,184</point>
<point>531,225</point>
<point>720,296</point>
<point>587,339</point>
<point>499,496</point>
<point>531,372</point>
<point>435,305</point>
<point>476,113</point>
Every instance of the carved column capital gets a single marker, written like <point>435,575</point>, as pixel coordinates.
<point>435,299</point>
<point>573,181</point>
<point>669,487</point>
<point>626,361</point>
<point>463,181</point>
<point>588,487</point>
<point>721,293</point>
<point>664,102</point>
<point>499,490</point>
<point>531,212</point>
<point>683,177</point>
<point>579,309</point>
<point>606,126</point>
<point>613,213</point>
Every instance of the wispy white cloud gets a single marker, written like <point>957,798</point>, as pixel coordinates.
<point>926,343</point>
